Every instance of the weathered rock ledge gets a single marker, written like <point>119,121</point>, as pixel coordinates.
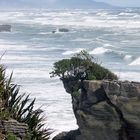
<point>13,127</point>
<point>105,110</point>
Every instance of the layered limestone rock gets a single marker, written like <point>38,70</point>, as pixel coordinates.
<point>106,110</point>
<point>14,127</point>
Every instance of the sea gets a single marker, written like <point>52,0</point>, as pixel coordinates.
<point>30,49</point>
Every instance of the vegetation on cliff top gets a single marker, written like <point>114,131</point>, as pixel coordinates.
<point>81,66</point>
<point>19,107</point>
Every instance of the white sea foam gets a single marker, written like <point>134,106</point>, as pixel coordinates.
<point>108,45</point>
<point>99,50</point>
<point>73,51</point>
<point>4,47</point>
<point>126,14</point>
<point>57,18</point>
<point>23,58</point>
<point>87,21</point>
<point>131,76</point>
<point>102,14</point>
<point>83,39</point>
<point>30,73</point>
<point>127,57</point>
<point>45,33</point>
<point>136,62</point>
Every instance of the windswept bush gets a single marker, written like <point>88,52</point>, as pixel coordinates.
<point>21,108</point>
<point>81,66</point>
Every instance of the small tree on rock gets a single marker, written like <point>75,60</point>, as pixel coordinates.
<point>81,66</point>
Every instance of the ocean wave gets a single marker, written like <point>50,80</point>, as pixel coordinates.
<point>108,45</point>
<point>72,52</point>
<point>136,62</point>
<point>23,58</point>
<point>29,73</point>
<point>5,47</point>
<point>126,14</point>
<point>131,76</point>
<point>127,57</point>
<point>45,33</point>
<point>83,39</point>
<point>98,19</point>
<point>102,14</point>
<point>99,50</point>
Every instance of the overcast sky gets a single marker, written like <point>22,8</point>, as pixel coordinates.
<point>125,3</point>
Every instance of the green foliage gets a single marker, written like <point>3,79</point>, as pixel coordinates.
<point>21,108</point>
<point>4,114</point>
<point>61,68</point>
<point>11,136</point>
<point>81,66</point>
<point>36,127</point>
<point>2,79</point>
<point>27,137</point>
<point>76,94</point>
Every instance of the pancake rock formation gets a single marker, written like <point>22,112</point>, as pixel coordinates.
<point>105,110</point>
<point>14,127</point>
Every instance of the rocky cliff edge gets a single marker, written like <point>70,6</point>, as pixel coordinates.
<point>104,110</point>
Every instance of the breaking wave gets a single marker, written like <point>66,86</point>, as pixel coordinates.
<point>136,62</point>
<point>99,50</point>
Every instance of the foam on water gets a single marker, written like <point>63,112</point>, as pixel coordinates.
<point>89,22</point>
<point>83,39</point>
<point>72,52</point>
<point>132,76</point>
<point>136,62</point>
<point>99,50</point>
<point>6,47</point>
<point>127,57</point>
<point>29,73</point>
<point>23,58</point>
<point>126,14</point>
<point>108,45</point>
<point>102,13</point>
<point>68,18</point>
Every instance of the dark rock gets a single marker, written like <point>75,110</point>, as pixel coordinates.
<point>67,135</point>
<point>5,28</point>
<point>63,30</point>
<point>53,32</point>
<point>106,110</point>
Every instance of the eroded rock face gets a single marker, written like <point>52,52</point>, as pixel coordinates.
<point>5,28</point>
<point>67,135</point>
<point>14,127</point>
<point>107,110</point>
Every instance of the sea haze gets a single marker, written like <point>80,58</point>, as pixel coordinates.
<point>59,4</point>
<point>112,36</point>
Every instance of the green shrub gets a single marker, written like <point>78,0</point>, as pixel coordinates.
<point>76,94</point>
<point>4,114</point>
<point>81,66</point>
<point>11,136</point>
